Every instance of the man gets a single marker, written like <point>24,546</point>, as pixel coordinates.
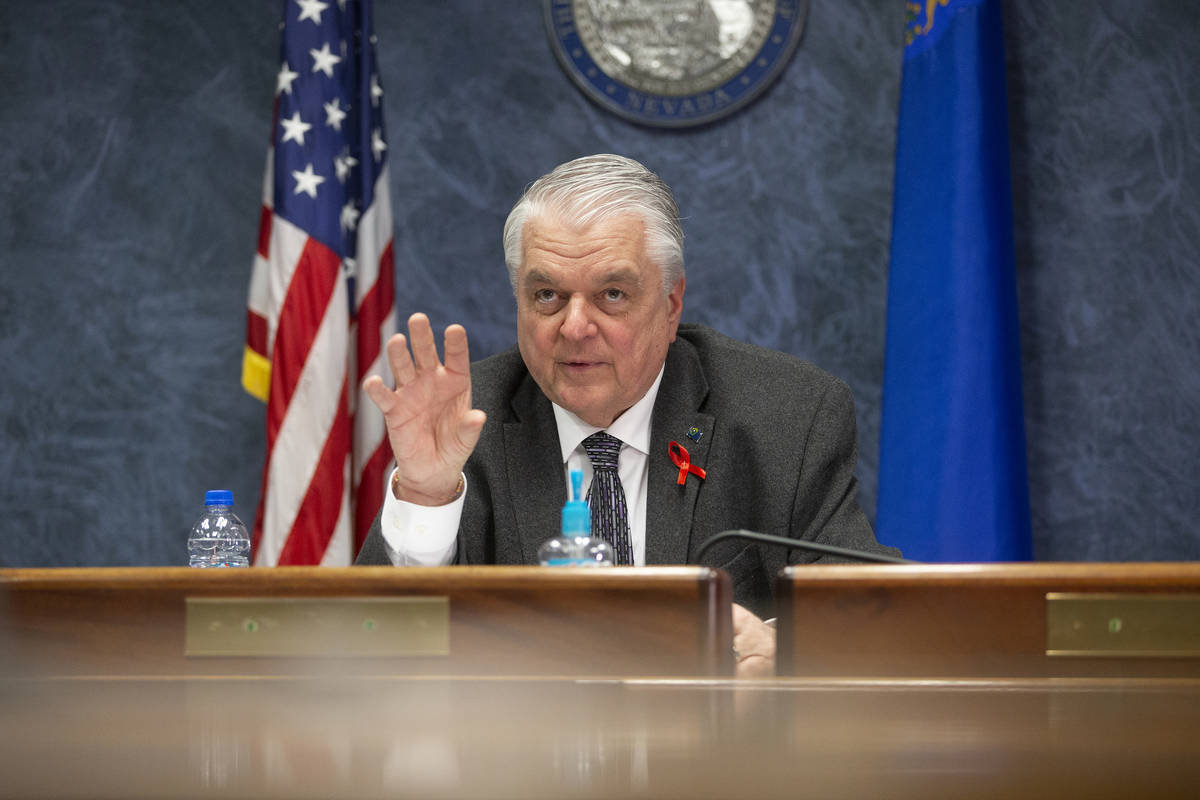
<point>594,251</point>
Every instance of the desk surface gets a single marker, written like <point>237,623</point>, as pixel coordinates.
<point>493,737</point>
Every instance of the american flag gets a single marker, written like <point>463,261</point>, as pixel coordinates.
<point>321,294</point>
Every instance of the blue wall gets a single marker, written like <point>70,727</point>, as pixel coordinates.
<point>132,144</point>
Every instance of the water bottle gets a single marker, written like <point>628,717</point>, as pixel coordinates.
<point>219,538</point>
<point>575,547</point>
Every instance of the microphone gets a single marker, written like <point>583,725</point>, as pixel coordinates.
<point>800,544</point>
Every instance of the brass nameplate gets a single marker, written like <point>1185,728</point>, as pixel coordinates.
<point>336,627</point>
<point>1095,624</point>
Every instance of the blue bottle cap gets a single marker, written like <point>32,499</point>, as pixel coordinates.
<point>576,516</point>
<point>218,497</point>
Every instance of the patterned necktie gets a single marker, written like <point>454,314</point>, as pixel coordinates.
<point>610,515</point>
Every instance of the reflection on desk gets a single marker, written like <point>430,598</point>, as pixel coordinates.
<point>570,737</point>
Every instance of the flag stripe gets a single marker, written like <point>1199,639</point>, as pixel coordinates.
<point>341,548</point>
<point>256,332</point>
<point>369,493</point>
<point>317,275</point>
<point>295,450</point>
<point>373,240</point>
<point>265,218</point>
<point>325,497</point>
<point>376,320</point>
<point>372,314</point>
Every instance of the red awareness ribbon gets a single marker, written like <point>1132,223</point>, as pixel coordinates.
<point>680,458</point>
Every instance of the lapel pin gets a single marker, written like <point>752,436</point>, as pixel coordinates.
<point>680,458</point>
<point>694,433</point>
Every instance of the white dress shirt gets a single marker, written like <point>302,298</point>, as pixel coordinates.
<point>428,535</point>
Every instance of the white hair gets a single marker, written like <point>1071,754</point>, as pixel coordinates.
<point>597,188</point>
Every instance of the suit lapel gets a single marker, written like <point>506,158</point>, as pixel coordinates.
<point>669,506</point>
<point>534,469</point>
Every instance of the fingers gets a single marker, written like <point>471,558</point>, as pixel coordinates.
<point>743,619</point>
<point>400,360</point>
<point>379,393</point>
<point>420,338</point>
<point>415,356</point>
<point>754,644</point>
<point>458,356</point>
<point>752,667</point>
<point>418,352</point>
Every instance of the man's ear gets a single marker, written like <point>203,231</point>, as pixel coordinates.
<point>675,305</point>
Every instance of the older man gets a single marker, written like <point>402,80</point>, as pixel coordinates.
<point>595,255</point>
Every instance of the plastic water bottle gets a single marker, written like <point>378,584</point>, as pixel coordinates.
<point>219,538</point>
<point>575,547</point>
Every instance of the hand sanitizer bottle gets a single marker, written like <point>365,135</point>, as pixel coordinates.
<point>575,547</point>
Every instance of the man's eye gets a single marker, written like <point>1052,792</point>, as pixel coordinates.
<point>613,295</point>
<point>544,296</point>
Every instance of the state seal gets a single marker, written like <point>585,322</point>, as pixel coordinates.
<point>674,63</point>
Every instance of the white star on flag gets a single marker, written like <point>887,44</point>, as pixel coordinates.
<point>307,181</point>
<point>283,83</point>
<point>323,60</point>
<point>294,128</point>
<point>334,114</point>
<point>376,90</point>
<point>378,146</point>
<point>350,216</point>
<point>311,9</point>
<point>343,165</point>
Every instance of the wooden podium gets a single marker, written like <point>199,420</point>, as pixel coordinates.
<point>365,620</point>
<point>1040,620</point>
<point>535,683</point>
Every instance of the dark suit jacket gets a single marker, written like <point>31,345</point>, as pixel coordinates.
<point>777,441</point>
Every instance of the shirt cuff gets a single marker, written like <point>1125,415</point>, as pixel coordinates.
<point>421,536</point>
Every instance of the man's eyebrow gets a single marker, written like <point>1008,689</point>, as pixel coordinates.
<point>536,276</point>
<point>623,276</point>
<point>620,275</point>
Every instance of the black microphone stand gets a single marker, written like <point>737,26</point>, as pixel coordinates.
<point>800,544</point>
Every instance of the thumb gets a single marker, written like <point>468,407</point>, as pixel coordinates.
<point>470,429</point>
<point>378,392</point>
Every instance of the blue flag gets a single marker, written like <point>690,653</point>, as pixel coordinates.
<point>952,474</point>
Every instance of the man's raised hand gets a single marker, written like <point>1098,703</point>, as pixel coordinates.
<point>430,423</point>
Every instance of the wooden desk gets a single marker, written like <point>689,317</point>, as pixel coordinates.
<point>666,621</point>
<point>98,699</point>
<point>988,620</point>
<point>553,738</point>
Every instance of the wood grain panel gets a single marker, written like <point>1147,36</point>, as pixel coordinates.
<point>955,620</point>
<point>503,620</point>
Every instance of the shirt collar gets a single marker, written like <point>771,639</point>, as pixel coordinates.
<point>632,427</point>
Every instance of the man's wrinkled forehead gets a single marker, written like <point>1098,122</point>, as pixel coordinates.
<point>552,248</point>
<point>536,277</point>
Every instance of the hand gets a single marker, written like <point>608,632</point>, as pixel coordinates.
<point>753,645</point>
<point>430,423</point>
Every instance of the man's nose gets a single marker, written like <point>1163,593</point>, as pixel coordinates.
<point>577,324</point>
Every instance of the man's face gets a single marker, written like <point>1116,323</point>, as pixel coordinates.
<point>593,324</point>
